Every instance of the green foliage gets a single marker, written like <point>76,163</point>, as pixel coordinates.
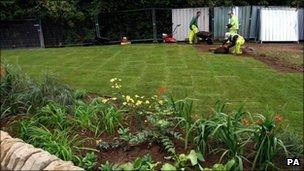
<point>229,130</point>
<point>185,162</point>
<point>220,167</point>
<point>110,118</point>
<point>267,144</point>
<point>85,116</point>
<point>183,109</point>
<point>20,94</point>
<point>168,145</point>
<point>293,142</point>
<point>80,94</point>
<point>80,8</point>
<point>89,161</point>
<point>109,167</point>
<point>53,116</point>
<point>144,163</point>
<point>57,142</point>
<point>168,167</point>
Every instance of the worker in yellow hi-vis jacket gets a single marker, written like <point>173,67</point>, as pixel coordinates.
<point>236,41</point>
<point>233,24</point>
<point>194,28</point>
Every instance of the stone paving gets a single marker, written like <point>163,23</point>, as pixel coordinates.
<point>18,155</point>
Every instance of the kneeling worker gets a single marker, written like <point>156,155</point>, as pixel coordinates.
<point>235,41</point>
<point>194,28</point>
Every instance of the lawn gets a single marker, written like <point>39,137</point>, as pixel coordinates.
<point>181,69</point>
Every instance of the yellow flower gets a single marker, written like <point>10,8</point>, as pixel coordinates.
<point>124,103</point>
<point>136,96</point>
<point>147,102</point>
<point>131,100</point>
<point>104,100</point>
<point>138,103</point>
<point>128,98</point>
<point>114,98</point>
<point>112,80</point>
<point>142,97</point>
<point>160,102</point>
<point>112,86</point>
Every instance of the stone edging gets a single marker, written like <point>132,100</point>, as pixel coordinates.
<point>18,155</point>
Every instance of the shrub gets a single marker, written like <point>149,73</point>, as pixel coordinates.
<point>110,118</point>
<point>293,142</point>
<point>20,94</point>
<point>229,130</point>
<point>89,161</point>
<point>57,142</point>
<point>267,144</point>
<point>85,116</point>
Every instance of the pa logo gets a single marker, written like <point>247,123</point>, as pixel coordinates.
<point>292,162</point>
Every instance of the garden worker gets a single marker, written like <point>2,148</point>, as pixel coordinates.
<point>194,28</point>
<point>235,41</point>
<point>233,24</point>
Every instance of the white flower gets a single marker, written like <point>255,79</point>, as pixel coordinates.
<point>124,103</point>
<point>112,80</point>
<point>136,96</point>
<point>114,98</point>
<point>147,102</point>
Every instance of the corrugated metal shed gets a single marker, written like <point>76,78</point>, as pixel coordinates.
<point>301,23</point>
<point>279,24</point>
<point>183,16</point>
<point>220,21</point>
<point>255,22</point>
<point>244,14</point>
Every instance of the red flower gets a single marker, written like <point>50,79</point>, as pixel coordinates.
<point>161,91</point>
<point>278,118</point>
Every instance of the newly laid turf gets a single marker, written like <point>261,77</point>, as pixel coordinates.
<point>179,68</point>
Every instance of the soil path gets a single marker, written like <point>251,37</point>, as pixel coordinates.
<point>259,51</point>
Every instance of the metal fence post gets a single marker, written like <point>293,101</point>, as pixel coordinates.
<point>97,26</point>
<point>40,34</point>
<point>154,26</point>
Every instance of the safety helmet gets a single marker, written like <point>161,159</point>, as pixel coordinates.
<point>227,35</point>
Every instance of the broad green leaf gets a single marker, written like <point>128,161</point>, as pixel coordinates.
<point>127,166</point>
<point>193,157</point>
<point>168,167</point>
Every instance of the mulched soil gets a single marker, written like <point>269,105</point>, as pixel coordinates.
<point>257,51</point>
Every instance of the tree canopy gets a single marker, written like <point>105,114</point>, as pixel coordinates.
<point>79,9</point>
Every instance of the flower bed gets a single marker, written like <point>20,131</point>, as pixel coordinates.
<point>134,132</point>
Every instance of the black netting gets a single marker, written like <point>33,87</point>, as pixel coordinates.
<point>136,25</point>
<point>16,34</point>
<point>163,22</point>
<point>61,33</point>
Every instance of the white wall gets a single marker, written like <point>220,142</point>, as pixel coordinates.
<point>183,16</point>
<point>279,24</point>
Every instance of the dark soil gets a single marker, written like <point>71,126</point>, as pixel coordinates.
<point>251,49</point>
